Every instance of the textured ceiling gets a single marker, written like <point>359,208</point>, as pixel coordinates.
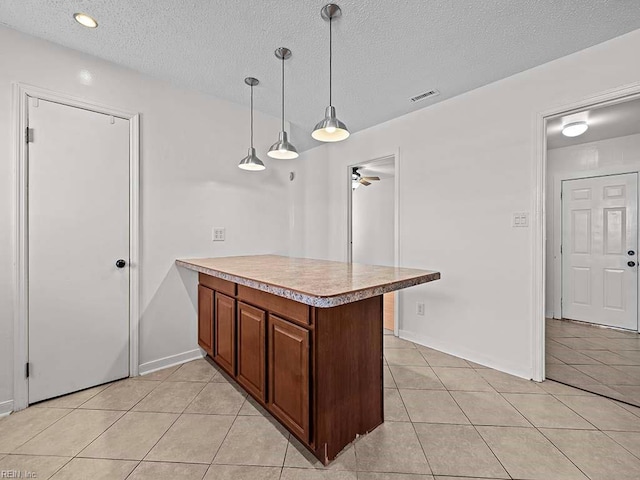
<point>605,122</point>
<point>384,52</point>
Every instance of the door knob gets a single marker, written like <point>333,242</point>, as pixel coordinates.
<point>631,264</point>
<point>121,263</point>
<point>631,253</point>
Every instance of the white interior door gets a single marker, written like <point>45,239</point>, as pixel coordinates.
<point>599,250</point>
<point>78,208</point>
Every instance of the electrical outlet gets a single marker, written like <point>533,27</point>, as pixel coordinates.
<point>420,308</point>
<point>218,234</point>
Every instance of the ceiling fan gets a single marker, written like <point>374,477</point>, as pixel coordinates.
<point>357,179</point>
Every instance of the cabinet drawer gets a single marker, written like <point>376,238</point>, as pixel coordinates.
<point>217,284</point>
<point>289,375</point>
<point>252,328</point>
<point>298,312</point>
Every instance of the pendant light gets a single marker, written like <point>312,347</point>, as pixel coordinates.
<point>330,129</point>
<point>282,148</point>
<point>251,161</point>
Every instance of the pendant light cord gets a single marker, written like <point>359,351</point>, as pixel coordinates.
<point>330,56</point>
<point>283,93</point>
<point>251,116</point>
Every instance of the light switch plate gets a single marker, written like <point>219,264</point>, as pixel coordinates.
<point>520,219</point>
<point>218,234</point>
<point>420,308</point>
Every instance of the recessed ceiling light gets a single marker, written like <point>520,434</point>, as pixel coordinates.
<point>574,129</point>
<point>85,20</point>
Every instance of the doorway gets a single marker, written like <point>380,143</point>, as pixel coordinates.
<point>372,222</point>
<point>77,183</point>
<point>591,305</point>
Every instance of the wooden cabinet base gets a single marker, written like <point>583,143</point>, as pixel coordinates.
<point>348,374</point>
<point>318,371</point>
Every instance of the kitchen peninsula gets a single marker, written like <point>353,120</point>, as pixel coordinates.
<point>303,337</point>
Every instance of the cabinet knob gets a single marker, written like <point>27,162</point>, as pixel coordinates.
<point>120,263</point>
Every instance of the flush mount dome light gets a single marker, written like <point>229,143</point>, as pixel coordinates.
<point>574,129</point>
<point>85,20</point>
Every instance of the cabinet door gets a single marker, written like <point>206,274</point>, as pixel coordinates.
<point>289,374</point>
<point>205,319</point>
<point>224,352</point>
<point>251,349</point>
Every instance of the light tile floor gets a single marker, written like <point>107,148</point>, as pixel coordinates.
<point>601,360</point>
<point>446,419</point>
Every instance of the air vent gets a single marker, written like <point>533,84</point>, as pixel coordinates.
<point>422,96</point>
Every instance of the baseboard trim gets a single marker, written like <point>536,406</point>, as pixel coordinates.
<point>6,408</point>
<point>170,361</point>
<point>470,356</point>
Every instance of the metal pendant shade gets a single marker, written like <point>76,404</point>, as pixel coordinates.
<point>330,129</point>
<point>282,149</point>
<point>251,162</point>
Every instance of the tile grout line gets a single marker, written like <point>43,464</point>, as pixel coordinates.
<point>173,423</point>
<point>116,421</point>
<point>225,436</point>
<point>122,416</point>
<point>586,396</point>
<point>637,455</point>
<point>204,384</point>
<point>531,422</point>
<point>564,454</point>
<point>61,467</point>
<point>41,431</point>
<point>284,459</point>
<point>415,432</point>
<point>133,469</point>
<point>473,425</point>
<point>548,439</point>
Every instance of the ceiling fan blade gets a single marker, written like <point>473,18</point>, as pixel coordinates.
<point>371,178</point>
<point>364,182</point>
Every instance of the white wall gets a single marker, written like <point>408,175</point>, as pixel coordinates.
<point>373,223</point>
<point>605,157</point>
<point>466,165</point>
<point>190,147</point>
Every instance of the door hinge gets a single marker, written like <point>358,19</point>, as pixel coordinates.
<point>27,369</point>
<point>560,248</point>
<point>28,135</point>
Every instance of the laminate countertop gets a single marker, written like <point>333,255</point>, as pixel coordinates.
<point>319,283</point>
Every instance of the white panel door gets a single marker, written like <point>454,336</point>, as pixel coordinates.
<point>78,207</point>
<point>599,250</point>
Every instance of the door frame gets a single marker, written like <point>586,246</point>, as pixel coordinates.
<point>558,182</point>
<point>538,199</point>
<point>396,221</point>
<point>21,93</point>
